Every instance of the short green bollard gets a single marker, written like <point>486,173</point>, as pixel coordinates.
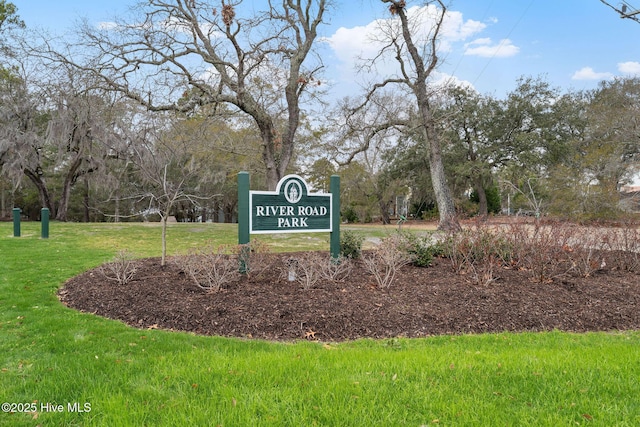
<point>16,222</point>
<point>44,219</point>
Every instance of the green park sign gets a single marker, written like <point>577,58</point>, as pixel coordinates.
<point>289,209</point>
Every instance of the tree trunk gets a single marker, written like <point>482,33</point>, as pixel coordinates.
<point>384,211</point>
<point>483,205</point>
<point>444,199</point>
<point>43,192</point>
<point>272,178</point>
<point>3,203</point>
<point>272,145</point>
<point>446,207</point>
<point>164,220</point>
<point>116,214</point>
<point>69,181</point>
<point>86,200</point>
<point>228,210</point>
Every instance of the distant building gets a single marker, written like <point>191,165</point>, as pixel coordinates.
<point>630,198</point>
<point>630,189</point>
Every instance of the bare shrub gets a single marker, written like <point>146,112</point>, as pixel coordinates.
<point>387,259</point>
<point>517,236</point>
<point>585,261</point>
<point>255,256</point>
<point>336,270</point>
<point>584,252</point>
<point>210,269</point>
<point>456,245</point>
<point>624,243</point>
<point>309,268</point>
<point>543,248</point>
<point>305,269</point>
<point>546,250</point>
<point>479,253</point>
<point>121,269</point>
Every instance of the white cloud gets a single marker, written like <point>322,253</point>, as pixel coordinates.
<point>588,73</point>
<point>632,68</point>
<point>485,48</point>
<point>447,80</point>
<point>455,28</point>
<point>108,26</point>
<point>352,45</point>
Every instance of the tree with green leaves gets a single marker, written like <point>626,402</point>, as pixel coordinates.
<point>54,134</point>
<point>471,151</point>
<point>524,132</point>
<point>9,82</point>
<point>603,153</point>
<point>9,20</point>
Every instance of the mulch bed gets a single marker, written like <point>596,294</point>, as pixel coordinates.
<point>421,302</point>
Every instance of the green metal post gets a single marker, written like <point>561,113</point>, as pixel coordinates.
<point>243,220</point>
<point>334,187</point>
<point>16,222</point>
<point>44,219</point>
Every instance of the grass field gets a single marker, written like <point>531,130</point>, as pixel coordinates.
<point>59,367</point>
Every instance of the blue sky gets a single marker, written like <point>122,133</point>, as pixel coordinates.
<point>573,44</point>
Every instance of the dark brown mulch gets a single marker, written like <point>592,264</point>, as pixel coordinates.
<point>421,302</point>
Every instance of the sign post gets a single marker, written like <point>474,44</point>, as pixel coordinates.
<point>243,220</point>
<point>291,208</point>
<point>334,187</point>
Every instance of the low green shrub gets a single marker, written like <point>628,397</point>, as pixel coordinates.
<point>351,244</point>
<point>421,249</point>
<point>350,215</point>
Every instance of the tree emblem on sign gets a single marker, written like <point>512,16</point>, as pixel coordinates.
<point>293,191</point>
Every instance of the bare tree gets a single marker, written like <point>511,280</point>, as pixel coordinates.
<point>535,202</point>
<point>370,136</point>
<point>79,127</point>
<point>417,60</point>
<point>18,129</point>
<point>626,10</point>
<point>363,129</point>
<point>168,167</point>
<point>53,134</point>
<point>183,55</point>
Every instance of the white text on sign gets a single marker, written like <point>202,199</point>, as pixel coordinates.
<point>290,210</point>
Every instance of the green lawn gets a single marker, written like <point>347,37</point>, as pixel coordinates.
<point>51,355</point>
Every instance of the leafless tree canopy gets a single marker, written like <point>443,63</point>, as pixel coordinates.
<point>59,127</point>
<point>625,10</point>
<point>190,55</point>
<point>416,56</point>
